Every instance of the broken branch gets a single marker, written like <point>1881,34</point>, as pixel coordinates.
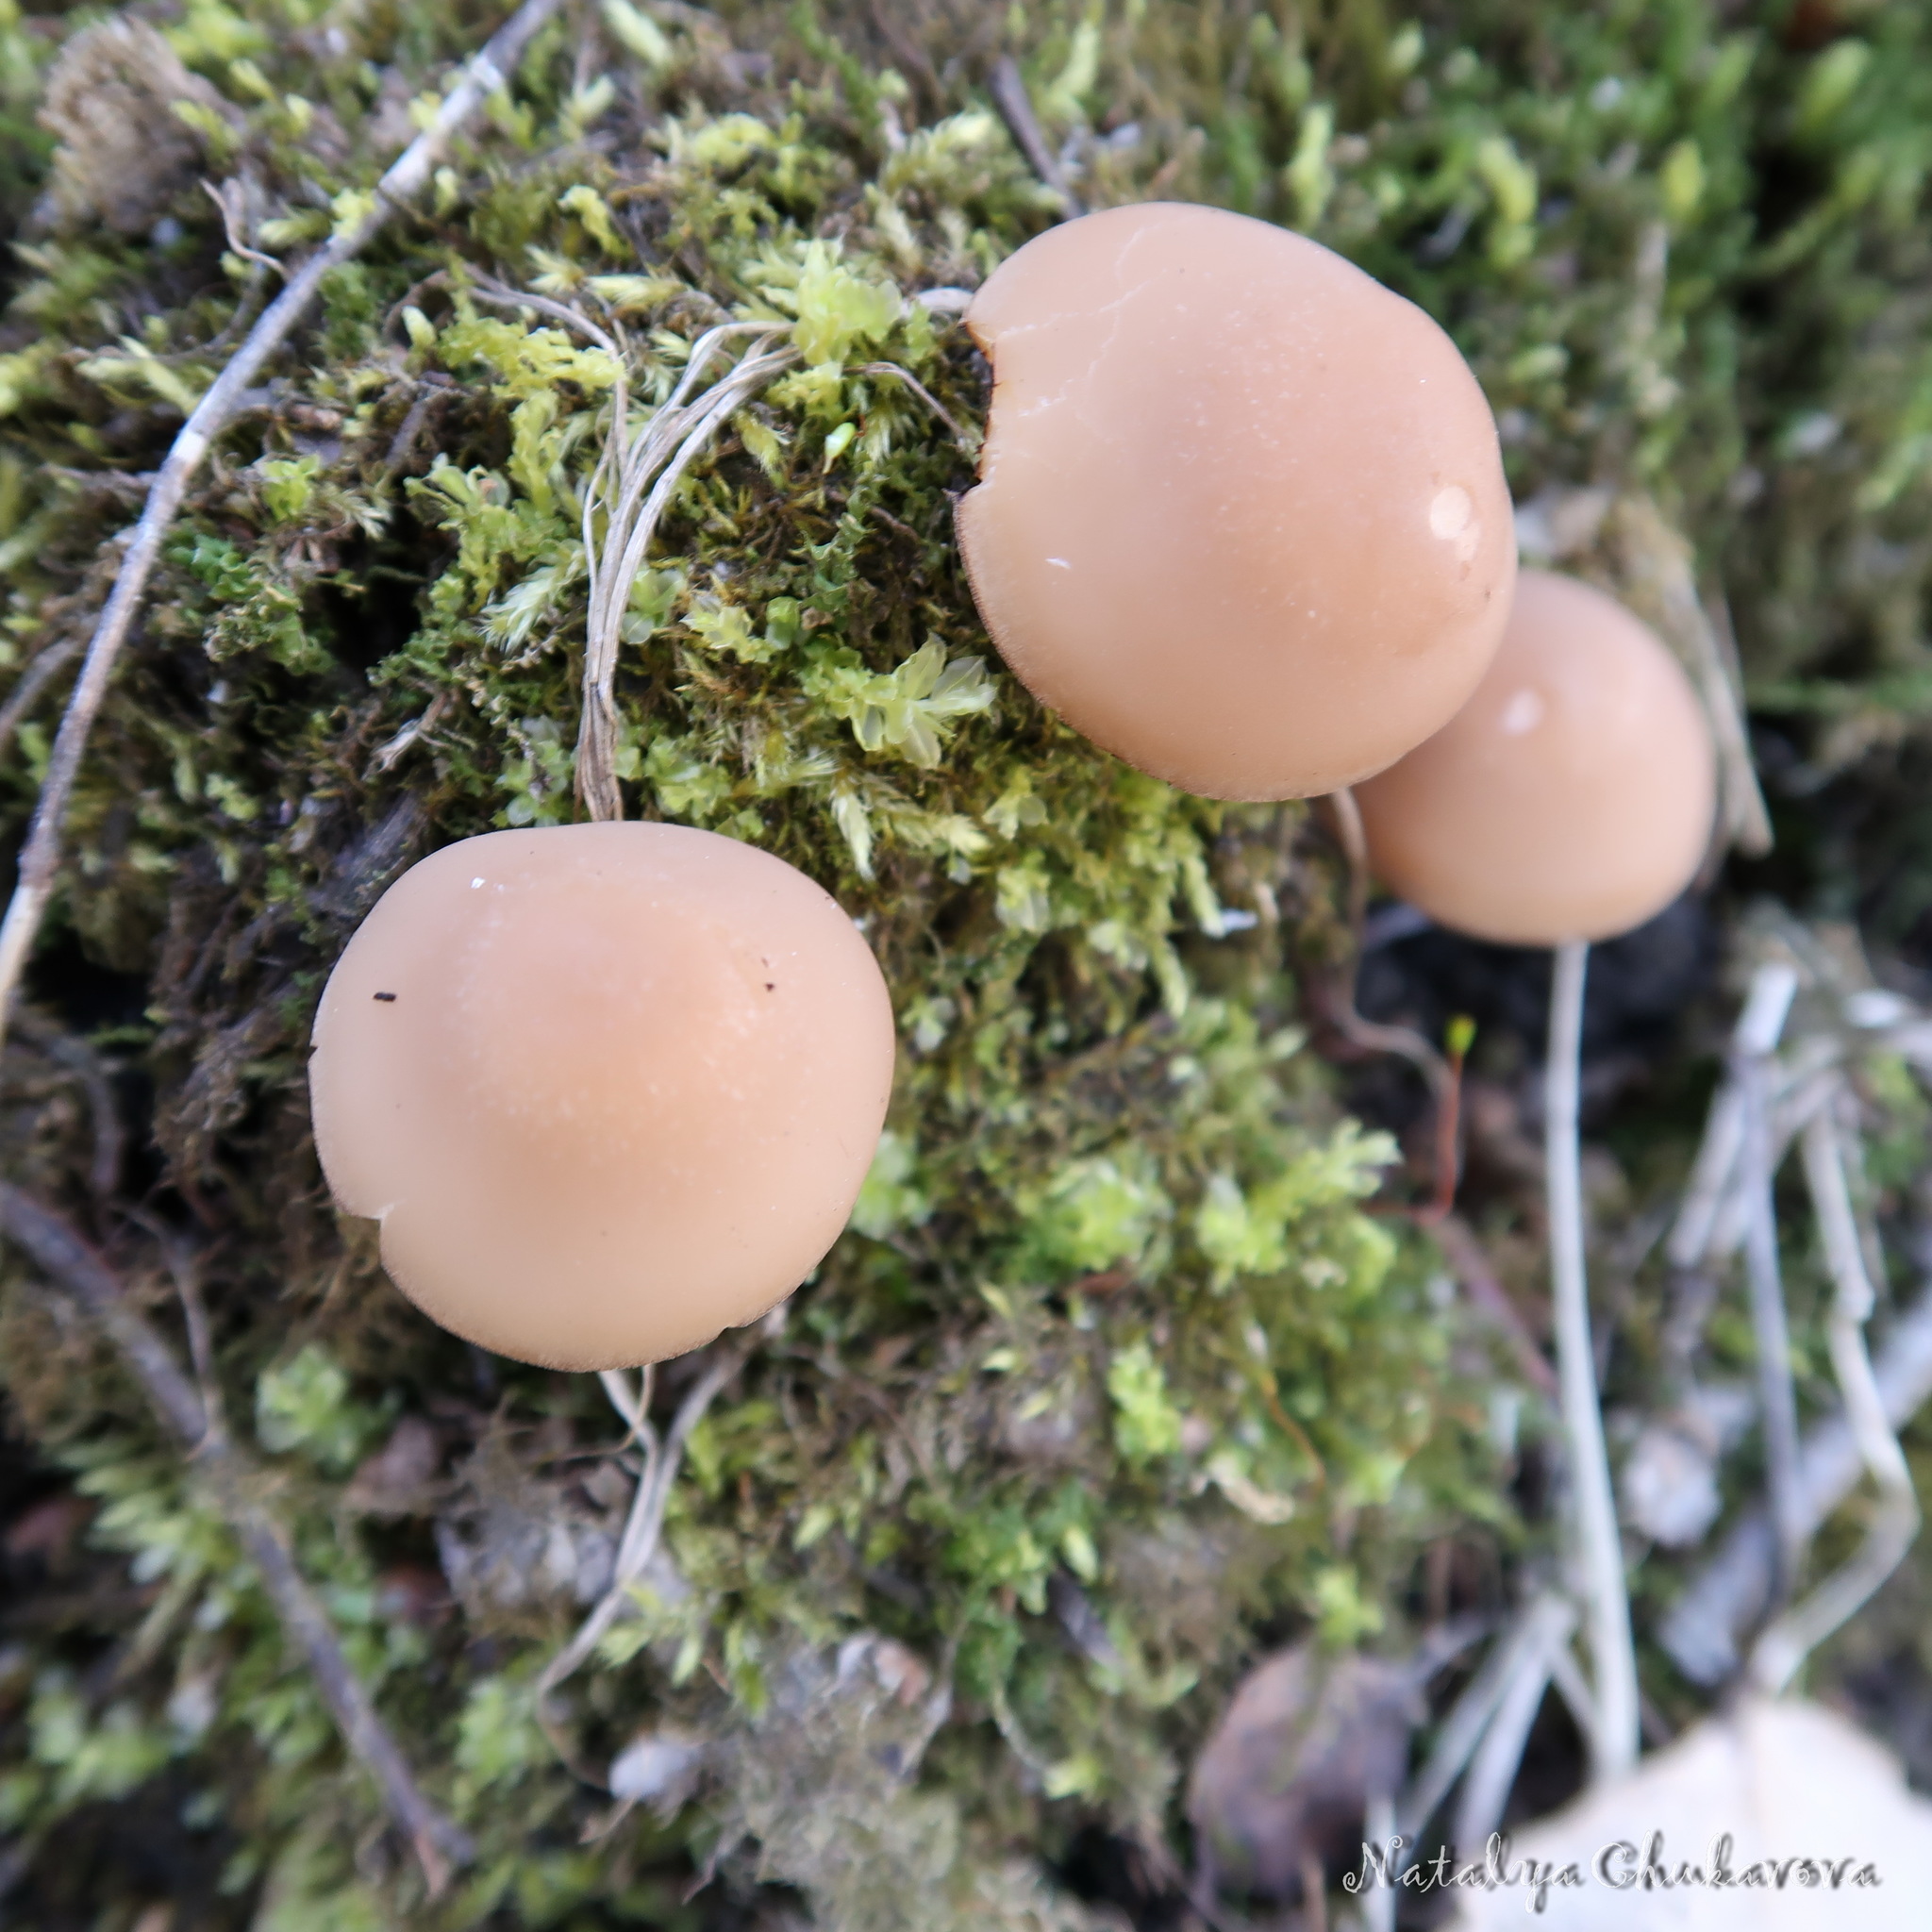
<point>235,1487</point>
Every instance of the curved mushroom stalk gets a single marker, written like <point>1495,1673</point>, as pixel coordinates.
<point>1569,800</point>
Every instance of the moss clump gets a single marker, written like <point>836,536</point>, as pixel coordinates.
<point>1114,1373</point>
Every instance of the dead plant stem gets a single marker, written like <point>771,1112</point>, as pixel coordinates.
<point>1776,1391</point>
<point>678,433</point>
<point>645,1524</point>
<point>1370,1034</point>
<point>52,660</point>
<point>1531,1650</point>
<point>1784,1646</point>
<point>1014,105</point>
<point>236,1489</point>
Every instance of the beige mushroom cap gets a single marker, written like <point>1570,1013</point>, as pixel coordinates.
<point>609,1088</point>
<point>1572,798</point>
<point>1241,517</point>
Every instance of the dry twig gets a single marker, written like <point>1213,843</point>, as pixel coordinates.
<point>1661,563</point>
<point>967,440</point>
<point>1015,107</point>
<point>1528,1656</point>
<point>1759,1027</point>
<point>1463,1729</point>
<point>236,1488</point>
<point>633,484</point>
<point>1370,1035</point>
<point>1785,1644</point>
<point>639,1543</point>
<point>39,860</point>
<point>41,673</point>
<point>1702,1629</point>
<point>678,434</point>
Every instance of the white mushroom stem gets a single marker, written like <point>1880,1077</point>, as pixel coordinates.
<point>1613,1655</point>
<point>1787,1642</point>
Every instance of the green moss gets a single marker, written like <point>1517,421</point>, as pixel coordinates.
<point>1111,1318</point>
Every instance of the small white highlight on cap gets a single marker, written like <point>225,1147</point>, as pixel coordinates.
<point>1059,563</point>
<point>475,883</point>
<point>1450,511</point>
<point>1522,713</point>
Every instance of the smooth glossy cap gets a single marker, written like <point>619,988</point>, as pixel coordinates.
<point>1241,517</point>
<point>1572,798</point>
<point>609,1088</point>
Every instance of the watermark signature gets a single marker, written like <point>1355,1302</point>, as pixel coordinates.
<point>1620,1866</point>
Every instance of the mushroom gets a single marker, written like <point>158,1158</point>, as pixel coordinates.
<point>610,1088</point>
<point>1241,517</point>
<point>1571,799</point>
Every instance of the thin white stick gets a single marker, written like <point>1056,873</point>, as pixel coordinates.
<point>39,860</point>
<point>1693,1235</point>
<point>1714,1219</point>
<point>1788,1106</point>
<point>1462,1729</point>
<point>633,1404</point>
<point>1613,1655</point>
<point>1776,1393</point>
<point>1787,1642</point>
<point>678,433</point>
<point>1566,1673</point>
<point>1486,1789</point>
<point>1729,1592</point>
<point>645,1523</point>
<point>962,437</point>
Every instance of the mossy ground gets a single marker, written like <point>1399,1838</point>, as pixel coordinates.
<point>1115,1378</point>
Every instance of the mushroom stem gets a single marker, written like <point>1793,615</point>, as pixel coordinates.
<point>1371,1036</point>
<point>1613,1655</point>
<point>236,1489</point>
